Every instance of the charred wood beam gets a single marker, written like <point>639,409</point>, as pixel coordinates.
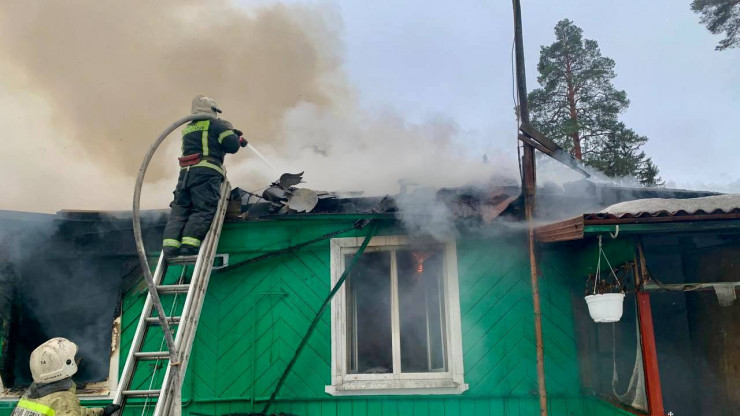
<point>542,143</point>
<point>541,148</point>
<point>532,133</point>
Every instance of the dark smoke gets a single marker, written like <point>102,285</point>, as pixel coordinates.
<point>86,86</point>
<point>63,277</point>
<point>116,73</point>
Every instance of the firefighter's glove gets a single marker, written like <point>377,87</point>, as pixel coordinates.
<point>238,132</point>
<point>243,142</point>
<point>111,409</point>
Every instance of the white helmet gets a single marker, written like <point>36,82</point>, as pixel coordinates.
<point>53,360</point>
<point>204,105</point>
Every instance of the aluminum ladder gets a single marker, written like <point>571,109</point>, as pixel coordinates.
<point>169,394</point>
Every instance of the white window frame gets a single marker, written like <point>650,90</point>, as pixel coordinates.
<point>396,383</point>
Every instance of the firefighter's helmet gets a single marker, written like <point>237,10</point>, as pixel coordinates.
<point>53,360</point>
<point>204,105</point>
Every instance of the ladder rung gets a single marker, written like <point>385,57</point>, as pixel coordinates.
<point>141,393</point>
<point>173,289</point>
<point>153,320</point>
<point>182,328</point>
<point>182,260</point>
<point>153,355</point>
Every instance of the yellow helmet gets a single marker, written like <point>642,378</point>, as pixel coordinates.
<point>53,360</point>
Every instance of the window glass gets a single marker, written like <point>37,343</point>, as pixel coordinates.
<point>369,314</point>
<point>421,310</point>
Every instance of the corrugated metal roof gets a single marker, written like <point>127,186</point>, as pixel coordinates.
<point>660,207</point>
<point>645,211</point>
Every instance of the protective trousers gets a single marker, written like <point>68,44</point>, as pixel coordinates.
<point>192,209</point>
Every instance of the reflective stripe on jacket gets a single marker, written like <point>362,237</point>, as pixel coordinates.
<point>212,139</point>
<point>27,407</point>
<point>60,403</point>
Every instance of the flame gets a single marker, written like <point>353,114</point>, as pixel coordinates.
<point>420,257</point>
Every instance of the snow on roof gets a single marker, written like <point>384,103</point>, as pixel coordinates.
<point>715,204</point>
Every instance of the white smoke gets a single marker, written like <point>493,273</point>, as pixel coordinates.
<point>349,150</point>
<point>82,99</point>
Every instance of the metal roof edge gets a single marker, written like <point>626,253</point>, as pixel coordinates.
<point>313,217</point>
<point>567,230</point>
<point>579,227</point>
<point>10,215</point>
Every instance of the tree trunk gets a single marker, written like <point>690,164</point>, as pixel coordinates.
<point>572,107</point>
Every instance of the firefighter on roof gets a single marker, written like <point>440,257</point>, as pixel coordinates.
<point>204,145</point>
<point>53,393</point>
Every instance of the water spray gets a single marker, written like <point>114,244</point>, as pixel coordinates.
<point>256,152</point>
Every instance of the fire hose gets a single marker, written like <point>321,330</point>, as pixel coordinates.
<point>137,225</point>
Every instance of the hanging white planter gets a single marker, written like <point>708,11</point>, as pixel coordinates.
<point>605,307</point>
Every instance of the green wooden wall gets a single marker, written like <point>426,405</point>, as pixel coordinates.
<point>254,318</point>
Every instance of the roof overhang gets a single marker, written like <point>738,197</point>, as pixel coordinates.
<point>592,224</point>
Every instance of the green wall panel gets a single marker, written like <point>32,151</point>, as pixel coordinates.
<point>254,318</point>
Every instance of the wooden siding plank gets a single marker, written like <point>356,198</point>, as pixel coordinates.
<point>576,407</point>
<point>481,407</point>
<point>405,407</point>
<point>421,407</point>
<point>558,406</point>
<point>328,408</point>
<point>467,407</point>
<point>489,299</point>
<point>436,407</point>
<point>344,407</point>
<point>451,406</point>
<point>375,408</point>
<point>359,407</point>
<point>390,408</point>
<point>313,408</point>
<point>529,406</point>
<point>497,406</point>
<point>298,407</point>
<point>483,275</point>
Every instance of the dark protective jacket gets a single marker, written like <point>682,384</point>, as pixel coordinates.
<point>197,191</point>
<point>212,139</point>
<point>53,399</point>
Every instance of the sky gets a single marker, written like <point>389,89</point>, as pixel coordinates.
<point>383,90</point>
<point>453,58</point>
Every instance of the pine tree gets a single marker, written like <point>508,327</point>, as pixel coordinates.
<point>720,16</point>
<point>577,106</point>
<point>620,156</point>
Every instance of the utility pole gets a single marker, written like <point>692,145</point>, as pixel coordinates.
<point>530,187</point>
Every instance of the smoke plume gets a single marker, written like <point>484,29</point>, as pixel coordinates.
<point>88,85</point>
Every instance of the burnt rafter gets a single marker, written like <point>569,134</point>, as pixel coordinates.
<point>539,141</point>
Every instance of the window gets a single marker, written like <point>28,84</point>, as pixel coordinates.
<point>396,321</point>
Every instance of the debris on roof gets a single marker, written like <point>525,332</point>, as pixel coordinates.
<point>483,203</point>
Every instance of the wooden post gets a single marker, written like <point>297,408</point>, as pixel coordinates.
<point>530,187</point>
<point>649,355</point>
<point>647,335</point>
